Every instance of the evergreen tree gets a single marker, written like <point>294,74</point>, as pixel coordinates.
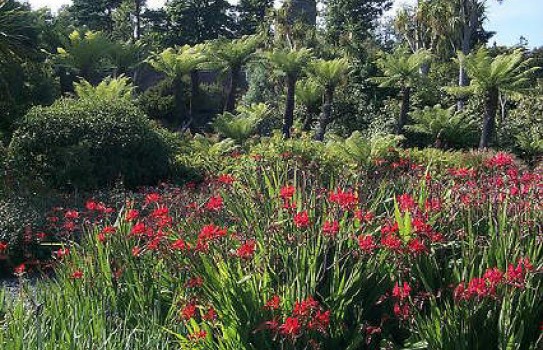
<point>95,14</point>
<point>195,21</point>
<point>251,15</point>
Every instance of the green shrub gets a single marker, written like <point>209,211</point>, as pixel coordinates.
<point>87,144</point>
<point>158,102</point>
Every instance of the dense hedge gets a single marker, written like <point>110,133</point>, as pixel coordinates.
<point>89,144</point>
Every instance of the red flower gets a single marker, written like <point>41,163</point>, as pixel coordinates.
<point>3,246</point>
<point>136,251</point>
<point>291,327</point>
<point>416,246</point>
<point>287,192</point>
<point>215,203</point>
<point>304,307</point>
<point>500,160</point>
<point>62,252</point>
<point>301,220</point>
<point>225,179</point>
<point>247,250</point>
<point>20,269</point>
<point>406,202</point>
<point>132,215</point>
<point>109,230</point>
<point>391,242</point>
<point>180,245</point>
<point>273,303</point>
<point>210,315</point>
<point>364,216</point>
<point>77,274</point>
<point>152,198</point>
<point>101,237</point>
<point>401,310</point>
<point>366,243</point>
<point>188,312</point>
<point>320,321</point>
<point>138,229</point>
<point>345,199</point>
<point>195,282</point>
<point>330,228</point>
<point>401,292</point>
<point>71,214</point>
<point>197,336</point>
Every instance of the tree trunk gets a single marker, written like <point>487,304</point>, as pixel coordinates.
<point>489,121</point>
<point>326,115</point>
<point>288,117</point>
<point>232,89</point>
<point>311,113</point>
<point>404,109</point>
<point>469,25</point>
<point>179,98</point>
<point>137,31</point>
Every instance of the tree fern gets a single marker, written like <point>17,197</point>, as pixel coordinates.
<point>110,89</point>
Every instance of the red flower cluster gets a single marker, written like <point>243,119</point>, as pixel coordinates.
<point>301,220</point>
<point>345,199</point>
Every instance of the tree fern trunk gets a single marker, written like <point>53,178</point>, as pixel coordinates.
<point>489,120</point>
<point>288,117</point>
<point>232,90</point>
<point>179,98</point>
<point>404,109</point>
<point>326,115</point>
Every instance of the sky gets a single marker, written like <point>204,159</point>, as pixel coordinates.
<point>510,20</point>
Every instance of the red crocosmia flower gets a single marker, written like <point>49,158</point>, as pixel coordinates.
<point>366,243</point>
<point>138,229</point>
<point>77,274</point>
<point>416,246</point>
<point>516,274</point>
<point>180,245</point>
<point>386,229</point>
<point>320,321</point>
<point>160,212</point>
<point>345,199</point>
<point>391,242</point>
<point>500,160</point>
<point>20,269</point>
<point>152,198</point>
<point>40,236</point>
<point>460,292</point>
<point>215,203</point>
<point>195,282</point>
<point>330,228</point>
<point>136,251</point>
<point>274,303</point>
<point>291,327</point>
<point>91,205</point>
<point>247,250</point>
<point>101,237</point>
<point>71,214</point>
<point>401,311</point>
<point>108,230</point>
<point>188,311</point>
<point>494,276</point>
<point>197,336</point>
<point>3,246</point>
<point>305,307</point>
<point>301,220</point>
<point>62,252</point>
<point>69,226</point>
<point>406,202</point>
<point>225,179</point>
<point>287,192</point>
<point>132,215</point>
<point>210,315</point>
<point>364,216</point>
<point>401,292</point>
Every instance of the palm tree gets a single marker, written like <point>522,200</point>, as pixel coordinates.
<point>176,64</point>
<point>505,74</point>
<point>309,93</point>
<point>329,73</point>
<point>230,56</point>
<point>401,70</point>
<point>291,64</point>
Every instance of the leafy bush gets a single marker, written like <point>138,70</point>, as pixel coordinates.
<point>159,102</point>
<point>110,89</point>
<point>241,126</point>
<point>444,127</point>
<point>85,144</point>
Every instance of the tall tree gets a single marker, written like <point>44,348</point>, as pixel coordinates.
<point>195,21</point>
<point>251,15</point>
<point>230,56</point>
<point>309,94</point>
<point>329,73</point>
<point>506,73</point>
<point>95,14</point>
<point>290,64</point>
<point>401,70</point>
<point>177,64</point>
<point>353,20</point>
